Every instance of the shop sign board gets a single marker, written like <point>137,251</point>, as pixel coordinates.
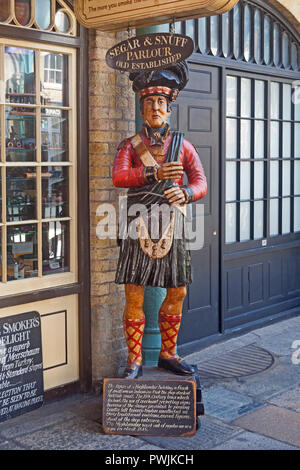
<point>117,15</point>
<point>149,52</point>
<point>21,365</point>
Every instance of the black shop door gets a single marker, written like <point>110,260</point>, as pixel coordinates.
<point>196,113</point>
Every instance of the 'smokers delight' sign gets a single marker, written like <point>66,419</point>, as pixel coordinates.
<point>149,52</point>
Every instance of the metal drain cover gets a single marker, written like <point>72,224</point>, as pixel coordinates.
<point>247,360</point>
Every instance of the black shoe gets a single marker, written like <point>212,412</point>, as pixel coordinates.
<point>132,371</point>
<point>175,365</point>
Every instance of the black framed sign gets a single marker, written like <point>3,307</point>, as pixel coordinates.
<point>21,365</point>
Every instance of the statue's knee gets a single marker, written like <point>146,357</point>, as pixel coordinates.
<point>134,301</point>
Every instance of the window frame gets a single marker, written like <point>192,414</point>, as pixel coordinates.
<point>54,280</point>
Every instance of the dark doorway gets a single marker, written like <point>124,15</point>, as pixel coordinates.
<point>196,113</point>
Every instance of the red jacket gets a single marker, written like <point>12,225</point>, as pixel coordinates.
<point>128,168</point>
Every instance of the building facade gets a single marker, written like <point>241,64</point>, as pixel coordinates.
<point>63,114</point>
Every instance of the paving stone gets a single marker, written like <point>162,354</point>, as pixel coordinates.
<point>10,445</point>
<point>275,422</point>
<point>77,434</point>
<point>13,428</point>
<point>262,386</point>
<point>211,433</point>
<point>289,399</point>
<point>250,441</point>
<point>279,344</point>
<point>227,405</point>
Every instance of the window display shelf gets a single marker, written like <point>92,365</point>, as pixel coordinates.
<point>21,113</point>
<point>19,149</point>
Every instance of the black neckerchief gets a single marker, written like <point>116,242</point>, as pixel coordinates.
<point>156,136</point>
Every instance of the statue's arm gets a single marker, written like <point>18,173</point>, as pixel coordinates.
<point>197,185</point>
<point>124,174</point>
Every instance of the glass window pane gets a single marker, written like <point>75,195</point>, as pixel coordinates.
<point>56,257</point>
<point>214,34</point>
<point>19,75</point>
<point>259,99</point>
<point>231,96</point>
<point>54,192</point>
<point>245,181</point>
<point>225,34</point>
<point>275,97</point>
<point>286,140</point>
<point>297,140</point>
<point>244,221</point>
<point>21,193</point>
<point>296,100</point>
<point>267,37</point>
<point>294,56</point>
<point>286,178</point>
<point>258,220</point>
<point>286,215</point>
<point>287,101</point>
<point>297,177</point>
<point>246,97</point>
<point>259,180</point>
<point>4,10</point>
<point>190,28</point>
<point>297,214</point>
<point>230,181</point>
<point>54,79</point>
<point>202,31</point>
<point>236,31</point>
<point>274,144</point>
<point>274,215</point>
<point>230,223</point>
<point>43,13</point>
<point>247,32</point>
<point>231,138</point>
<point>22,11</point>
<point>54,136</point>
<point>62,22</point>
<point>276,45</point>
<point>20,139</point>
<point>245,138</point>
<point>274,179</point>
<point>257,36</point>
<point>285,50</point>
<point>259,148</point>
<point>21,252</point>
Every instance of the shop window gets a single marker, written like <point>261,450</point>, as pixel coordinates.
<point>37,166</point>
<point>45,15</point>
<point>262,160</point>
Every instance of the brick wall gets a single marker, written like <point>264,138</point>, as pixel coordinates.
<point>112,118</point>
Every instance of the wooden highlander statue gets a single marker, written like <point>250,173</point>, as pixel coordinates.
<point>151,164</point>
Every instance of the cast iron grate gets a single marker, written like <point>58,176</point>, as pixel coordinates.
<point>248,360</point>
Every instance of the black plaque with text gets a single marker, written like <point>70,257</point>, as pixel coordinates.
<point>21,365</point>
<point>149,407</point>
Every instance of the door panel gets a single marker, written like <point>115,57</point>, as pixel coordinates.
<point>196,113</point>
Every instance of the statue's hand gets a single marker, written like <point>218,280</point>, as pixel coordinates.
<point>175,195</point>
<point>172,170</point>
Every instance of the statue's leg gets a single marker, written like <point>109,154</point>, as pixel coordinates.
<point>169,323</point>
<point>134,324</point>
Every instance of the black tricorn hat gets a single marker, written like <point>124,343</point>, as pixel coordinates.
<point>168,81</point>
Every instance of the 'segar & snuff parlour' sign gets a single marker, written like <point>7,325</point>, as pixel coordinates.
<point>149,52</point>
<point>117,15</point>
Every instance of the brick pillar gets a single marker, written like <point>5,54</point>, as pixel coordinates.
<point>111,119</point>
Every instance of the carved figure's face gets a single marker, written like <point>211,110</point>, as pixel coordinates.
<point>155,111</point>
